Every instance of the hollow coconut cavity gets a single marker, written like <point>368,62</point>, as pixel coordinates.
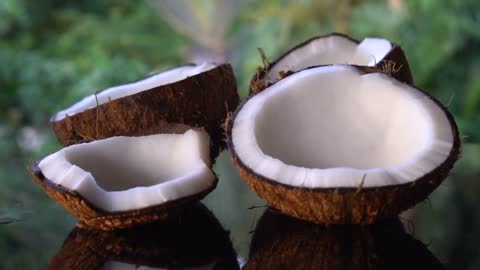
<point>168,102</point>
<point>371,53</point>
<point>123,181</point>
<point>333,144</point>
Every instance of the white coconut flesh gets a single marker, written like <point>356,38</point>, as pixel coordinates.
<point>334,126</point>
<point>127,173</point>
<point>113,93</point>
<point>114,265</point>
<point>333,49</point>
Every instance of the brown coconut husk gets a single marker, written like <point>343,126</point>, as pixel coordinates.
<point>93,217</point>
<point>200,101</point>
<point>394,64</point>
<point>359,205</point>
<point>193,239</point>
<point>282,242</point>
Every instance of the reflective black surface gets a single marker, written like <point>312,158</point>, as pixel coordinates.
<point>196,240</point>
<point>233,229</point>
<point>193,239</point>
<point>282,242</point>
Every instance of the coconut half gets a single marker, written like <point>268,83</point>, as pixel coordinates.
<point>371,53</point>
<point>193,240</point>
<point>282,242</point>
<point>123,181</point>
<point>169,102</point>
<point>334,144</point>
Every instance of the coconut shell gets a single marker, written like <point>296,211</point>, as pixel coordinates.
<point>394,64</point>
<point>201,101</point>
<point>359,205</point>
<point>193,239</point>
<point>92,217</point>
<point>282,242</point>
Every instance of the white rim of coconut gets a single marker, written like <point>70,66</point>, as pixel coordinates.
<point>331,49</point>
<point>117,92</point>
<point>128,173</point>
<point>334,127</point>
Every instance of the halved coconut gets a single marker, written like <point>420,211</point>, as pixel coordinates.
<point>124,181</point>
<point>333,144</point>
<point>282,242</point>
<point>193,240</point>
<point>168,102</point>
<point>372,53</point>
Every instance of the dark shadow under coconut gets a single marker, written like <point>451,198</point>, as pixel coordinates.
<point>176,243</point>
<point>282,242</point>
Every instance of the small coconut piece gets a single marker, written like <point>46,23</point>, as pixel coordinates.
<point>335,145</point>
<point>125,181</point>
<point>371,53</point>
<point>168,102</point>
<point>177,243</point>
<point>282,242</point>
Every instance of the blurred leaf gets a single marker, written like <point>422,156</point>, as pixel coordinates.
<point>10,215</point>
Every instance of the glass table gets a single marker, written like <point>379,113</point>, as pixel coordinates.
<point>233,229</point>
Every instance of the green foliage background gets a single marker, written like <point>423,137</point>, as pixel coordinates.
<point>54,52</point>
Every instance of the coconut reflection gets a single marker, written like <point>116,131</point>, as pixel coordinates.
<point>113,265</point>
<point>282,242</point>
<point>193,240</point>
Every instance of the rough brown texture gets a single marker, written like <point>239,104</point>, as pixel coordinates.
<point>346,205</point>
<point>201,101</point>
<point>75,255</point>
<point>394,64</point>
<point>176,243</point>
<point>282,242</point>
<point>91,216</point>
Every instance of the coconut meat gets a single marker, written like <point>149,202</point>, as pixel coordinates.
<point>116,92</point>
<point>114,265</point>
<point>127,173</point>
<point>335,126</point>
<point>333,49</point>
